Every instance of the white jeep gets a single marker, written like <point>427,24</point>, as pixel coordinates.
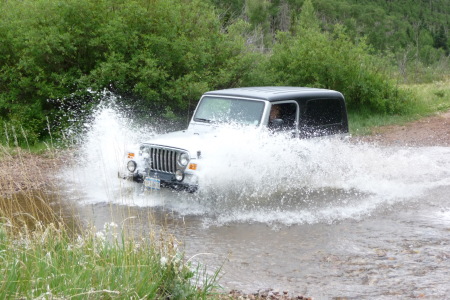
<point>174,159</point>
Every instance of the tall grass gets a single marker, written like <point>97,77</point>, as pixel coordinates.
<point>427,99</point>
<point>49,263</point>
<point>23,180</point>
<point>45,253</point>
<point>432,97</point>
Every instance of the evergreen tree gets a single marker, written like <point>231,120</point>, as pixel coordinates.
<point>307,18</point>
<point>441,40</point>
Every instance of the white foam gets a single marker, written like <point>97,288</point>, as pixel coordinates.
<point>253,176</point>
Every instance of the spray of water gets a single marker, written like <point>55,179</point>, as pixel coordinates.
<point>255,176</point>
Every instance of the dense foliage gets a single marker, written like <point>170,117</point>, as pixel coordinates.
<point>163,52</point>
<point>412,30</point>
<point>161,55</point>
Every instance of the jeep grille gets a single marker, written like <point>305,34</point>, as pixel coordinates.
<point>163,159</point>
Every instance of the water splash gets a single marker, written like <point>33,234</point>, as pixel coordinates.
<point>100,153</point>
<point>254,176</point>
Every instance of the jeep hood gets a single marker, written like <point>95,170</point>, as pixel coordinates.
<point>192,139</point>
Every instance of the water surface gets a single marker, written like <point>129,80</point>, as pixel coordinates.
<point>321,218</point>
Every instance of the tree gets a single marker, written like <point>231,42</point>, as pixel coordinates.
<point>441,40</point>
<point>307,18</point>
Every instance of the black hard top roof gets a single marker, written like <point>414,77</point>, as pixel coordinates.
<point>275,93</point>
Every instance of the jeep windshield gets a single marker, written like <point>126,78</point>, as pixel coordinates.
<point>229,110</point>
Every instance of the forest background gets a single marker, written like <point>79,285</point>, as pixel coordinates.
<point>57,57</point>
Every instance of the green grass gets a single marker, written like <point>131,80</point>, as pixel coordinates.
<point>428,99</point>
<point>431,98</point>
<point>50,263</point>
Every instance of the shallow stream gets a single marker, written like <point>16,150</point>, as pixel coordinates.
<point>320,218</point>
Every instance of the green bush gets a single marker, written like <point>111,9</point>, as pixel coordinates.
<point>165,53</point>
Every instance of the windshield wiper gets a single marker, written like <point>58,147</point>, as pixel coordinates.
<point>203,120</point>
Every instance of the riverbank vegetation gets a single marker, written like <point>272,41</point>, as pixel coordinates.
<point>56,58</point>
<point>50,262</point>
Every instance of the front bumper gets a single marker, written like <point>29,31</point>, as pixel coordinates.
<point>163,180</point>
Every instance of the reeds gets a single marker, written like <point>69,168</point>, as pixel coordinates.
<point>24,185</point>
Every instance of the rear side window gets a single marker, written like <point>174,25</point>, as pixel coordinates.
<point>320,112</point>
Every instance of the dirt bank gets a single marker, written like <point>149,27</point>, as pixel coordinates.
<point>430,131</point>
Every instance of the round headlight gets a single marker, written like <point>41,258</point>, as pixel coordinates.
<point>179,175</point>
<point>183,159</point>
<point>131,166</point>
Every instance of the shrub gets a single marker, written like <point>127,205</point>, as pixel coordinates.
<point>165,53</point>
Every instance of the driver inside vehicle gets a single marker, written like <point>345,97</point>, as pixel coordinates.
<point>275,120</point>
<point>282,116</point>
<point>274,113</point>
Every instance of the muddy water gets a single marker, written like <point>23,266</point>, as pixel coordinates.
<point>398,251</point>
<point>324,218</point>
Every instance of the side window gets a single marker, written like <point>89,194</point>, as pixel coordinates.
<point>322,112</point>
<point>283,116</point>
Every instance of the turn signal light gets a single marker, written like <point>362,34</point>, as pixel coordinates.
<point>193,167</point>
<point>130,155</point>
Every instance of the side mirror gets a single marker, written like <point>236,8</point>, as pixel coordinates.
<point>276,124</point>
